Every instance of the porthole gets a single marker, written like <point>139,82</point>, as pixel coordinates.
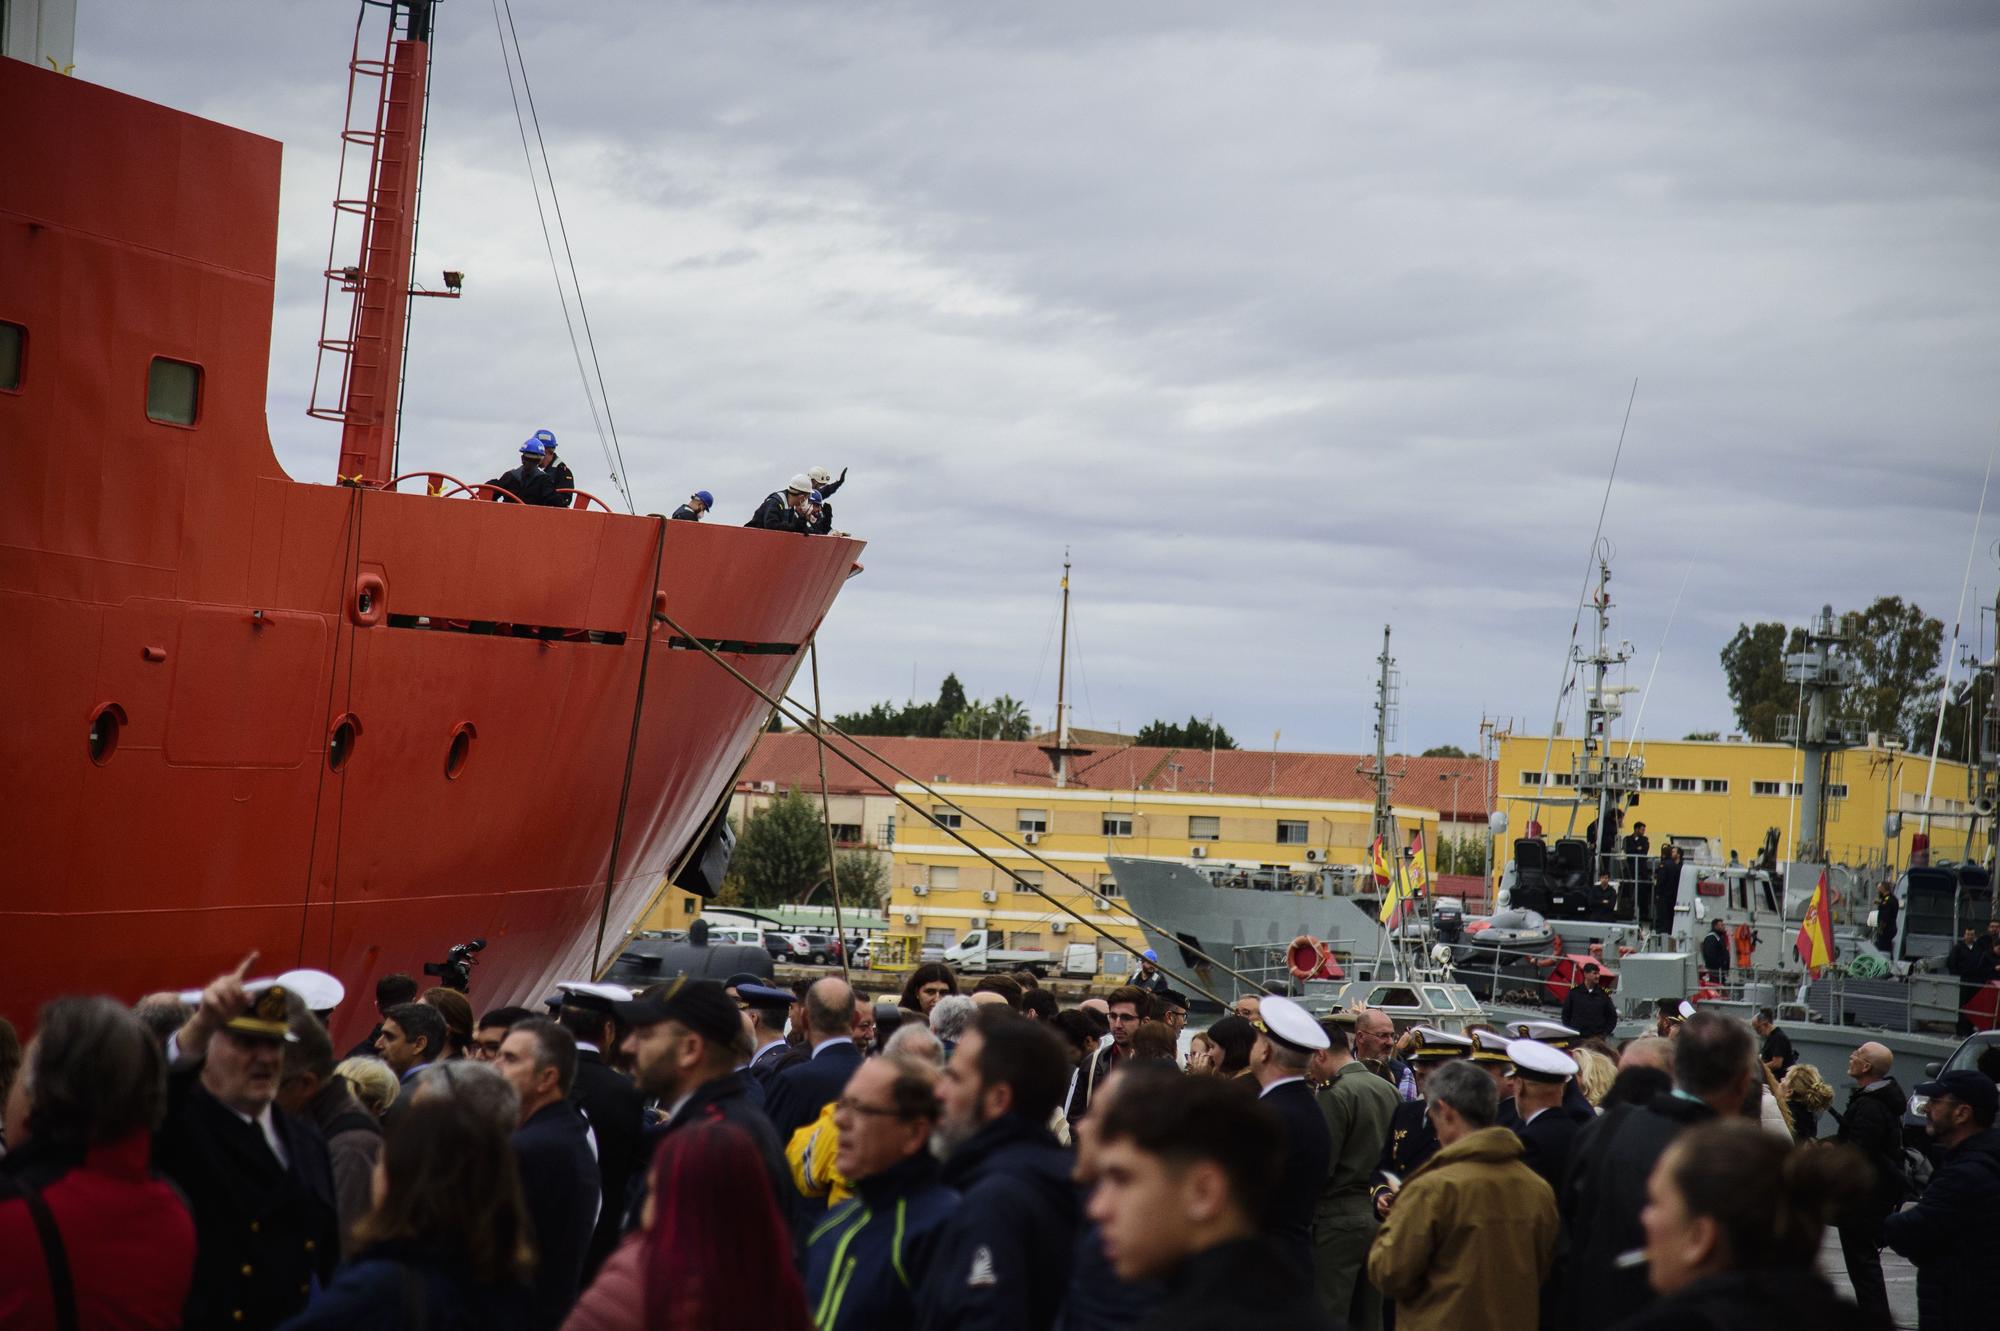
<point>173,392</point>
<point>340,742</point>
<point>461,749</point>
<point>13,353</point>
<point>105,723</point>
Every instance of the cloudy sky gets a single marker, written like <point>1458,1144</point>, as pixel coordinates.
<point>1287,320</point>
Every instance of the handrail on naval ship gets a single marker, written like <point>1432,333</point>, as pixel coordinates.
<point>804,721</point>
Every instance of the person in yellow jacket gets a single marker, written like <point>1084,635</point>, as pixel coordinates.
<point>809,1154</point>
<point>1468,1224</point>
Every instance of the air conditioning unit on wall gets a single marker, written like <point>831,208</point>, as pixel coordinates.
<point>909,917</point>
<point>921,889</point>
<point>979,921</point>
<point>1315,857</point>
<point>1059,926</point>
<point>989,896</point>
<point>1198,852</point>
<point>1031,838</point>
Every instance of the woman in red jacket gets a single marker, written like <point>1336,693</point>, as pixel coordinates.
<point>82,1219</point>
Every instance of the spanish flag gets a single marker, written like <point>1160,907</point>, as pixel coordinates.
<point>1399,890</point>
<point>1380,863</point>
<point>1815,942</point>
<point>1420,869</point>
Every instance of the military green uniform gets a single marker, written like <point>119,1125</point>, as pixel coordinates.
<point>1357,1106</point>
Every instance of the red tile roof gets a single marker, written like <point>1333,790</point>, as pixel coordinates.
<point>788,760</point>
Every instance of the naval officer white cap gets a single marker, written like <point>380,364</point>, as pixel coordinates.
<point>320,991</point>
<point>1539,1062</point>
<point>1291,1025</point>
<point>1548,1032</point>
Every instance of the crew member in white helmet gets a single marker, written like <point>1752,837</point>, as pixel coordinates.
<point>785,510</point>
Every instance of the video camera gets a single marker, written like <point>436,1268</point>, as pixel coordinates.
<point>455,971</point>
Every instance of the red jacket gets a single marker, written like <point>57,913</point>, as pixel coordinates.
<point>129,1237</point>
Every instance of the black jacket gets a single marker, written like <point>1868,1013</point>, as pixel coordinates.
<point>1779,1045</point>
<point>560,478</point>
<point>560,1187</point>
<point>1873,1125</point>
<point>727,1100</point>
<point>1306,1151</point>
<point>1547,1139</point>
<point>396,1287</point>
<point>1603,1191</point>
<point>1097,1299</point>
<point>1238,1284</point>
<point>530,487</point>
<point>1412,1140</point>
<point>866,1262</point>
<point>1951,1234</point>
<point>776,514</point>
<point>1751,1301</point>
<point>1666,890</point>
<point>685,514</point>
<point>1590,1011</point>
<point>1003,1259</point>
<point>1715,952</point>
<point>265,1231</point>
<point>617,1115</point>
<point>795,1096</point>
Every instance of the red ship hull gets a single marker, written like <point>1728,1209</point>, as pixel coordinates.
<point>174,578</point>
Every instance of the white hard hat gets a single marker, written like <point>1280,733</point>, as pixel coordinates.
<point>819,476</point>
<point>802,483</point>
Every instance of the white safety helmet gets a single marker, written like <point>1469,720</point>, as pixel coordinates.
<point>801,484</point>
<point>819,476</point>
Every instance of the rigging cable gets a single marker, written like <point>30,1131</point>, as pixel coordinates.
<point>614,457</point>
<point>1951,648</point>
<point>1576,624</point>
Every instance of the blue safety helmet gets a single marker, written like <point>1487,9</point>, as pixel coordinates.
<point>532,449</point>
<point>814,496</point>
<point>707,499</point>
<point>547,439</point>
<point>1150,955</point>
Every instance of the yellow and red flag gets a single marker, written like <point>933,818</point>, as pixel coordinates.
<point>1420,869</point>
<point>1379,863</point>
<point>1815,942</point>
<point>1399,888</point>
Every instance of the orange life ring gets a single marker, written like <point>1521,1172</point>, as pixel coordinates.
<point>1309,959</point>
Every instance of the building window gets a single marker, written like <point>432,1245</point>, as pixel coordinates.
<point>847,834</point>
<point>940,937</point>
<point>1117,824</point>
<point>1565,778</point>
<point>1024,941</point>
<point>687,905</point>
<point>1767,787</point>
<point>945,816</point>
<point>1531,778</point>
<point>1027,880</point>
<point>1291,832</point>
<point>1684,785</point>
<point>1107,886</point>
<point>1031,820</point>
<point>173,391</point>
<point>1652,783</point>
<point>1203,827</point>
<point>13,352</point>
<point>1836,790</point>
<point>944,877</point>
<point>1711,786</point>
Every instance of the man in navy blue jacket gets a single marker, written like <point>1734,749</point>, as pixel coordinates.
<point>1952,1230</point>
<point>559,1179</point>
<point>795,1096</point>
<point>1003,1259</point>
<point>866,1261</point>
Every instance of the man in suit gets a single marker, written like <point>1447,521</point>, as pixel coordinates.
<point>256,1179</point>
<point>609,1101</point>
<point>799,1092</point>
<point>687,1043</point>
<point>552,1146</point>
<point>767,1007</point>
<point>1287,1038</point>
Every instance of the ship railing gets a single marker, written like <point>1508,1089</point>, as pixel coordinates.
<point>443,485</point>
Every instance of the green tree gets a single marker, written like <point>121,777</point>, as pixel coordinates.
<point>1753,662</point>
<point>864,880</point>
<point>1703,736</point>
<point>1003,718</point>
<point>1445,751</point>
<point>780,853</point>
<point>1196,734</point>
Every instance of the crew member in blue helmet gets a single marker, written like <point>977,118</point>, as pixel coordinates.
<point>558,472</point>
<point>698,503</point>
<point>1150,978</point>
<point>528,483</point>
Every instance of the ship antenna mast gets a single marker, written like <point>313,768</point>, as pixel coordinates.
<point>1387,685</point>
<point>1062,683</point>
<point>357,373</point>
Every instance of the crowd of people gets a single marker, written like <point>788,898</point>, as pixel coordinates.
<point>709,1154</point>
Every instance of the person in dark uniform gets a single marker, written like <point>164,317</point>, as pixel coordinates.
<point>767,1007</point>
<point>1588,1008</point>
<point>1489,1051</point>
<point>1560,1037</point>
<point>528,483</point>
<point>1412,1139</point>
<point>1287,1038</point>
<point>1638,847</point>
<point>1715,953</point>
<point>1184,1177</point>
<point>1964,962</point>
<point>1886,910</point>
<point>1776,1053</point>
<point>609,1101</point>
<point>559,474</point>
<point>553,1153</point>
<point>698,503</point>
<point>783,510</point>
<point>1666,889</point>
<point>1547,1126</point>
<point>825,481</point>
<point>256,1179</point>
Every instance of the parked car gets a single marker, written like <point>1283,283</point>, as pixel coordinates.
<point>1965,1057</point>
<point>788,948</point>
<point>821,948</point>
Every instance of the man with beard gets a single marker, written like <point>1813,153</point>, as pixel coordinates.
<point>687,1041</point>
<point>1003,1259</point>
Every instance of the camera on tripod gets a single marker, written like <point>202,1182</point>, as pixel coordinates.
<point>455,971</point>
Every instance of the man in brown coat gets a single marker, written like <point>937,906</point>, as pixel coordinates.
<point>1473,1230</point>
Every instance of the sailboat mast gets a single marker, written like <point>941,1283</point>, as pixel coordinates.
<point>1062,686</point>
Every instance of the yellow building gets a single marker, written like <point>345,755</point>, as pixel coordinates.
<point>940,889</point>
<point>1732,792</point>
